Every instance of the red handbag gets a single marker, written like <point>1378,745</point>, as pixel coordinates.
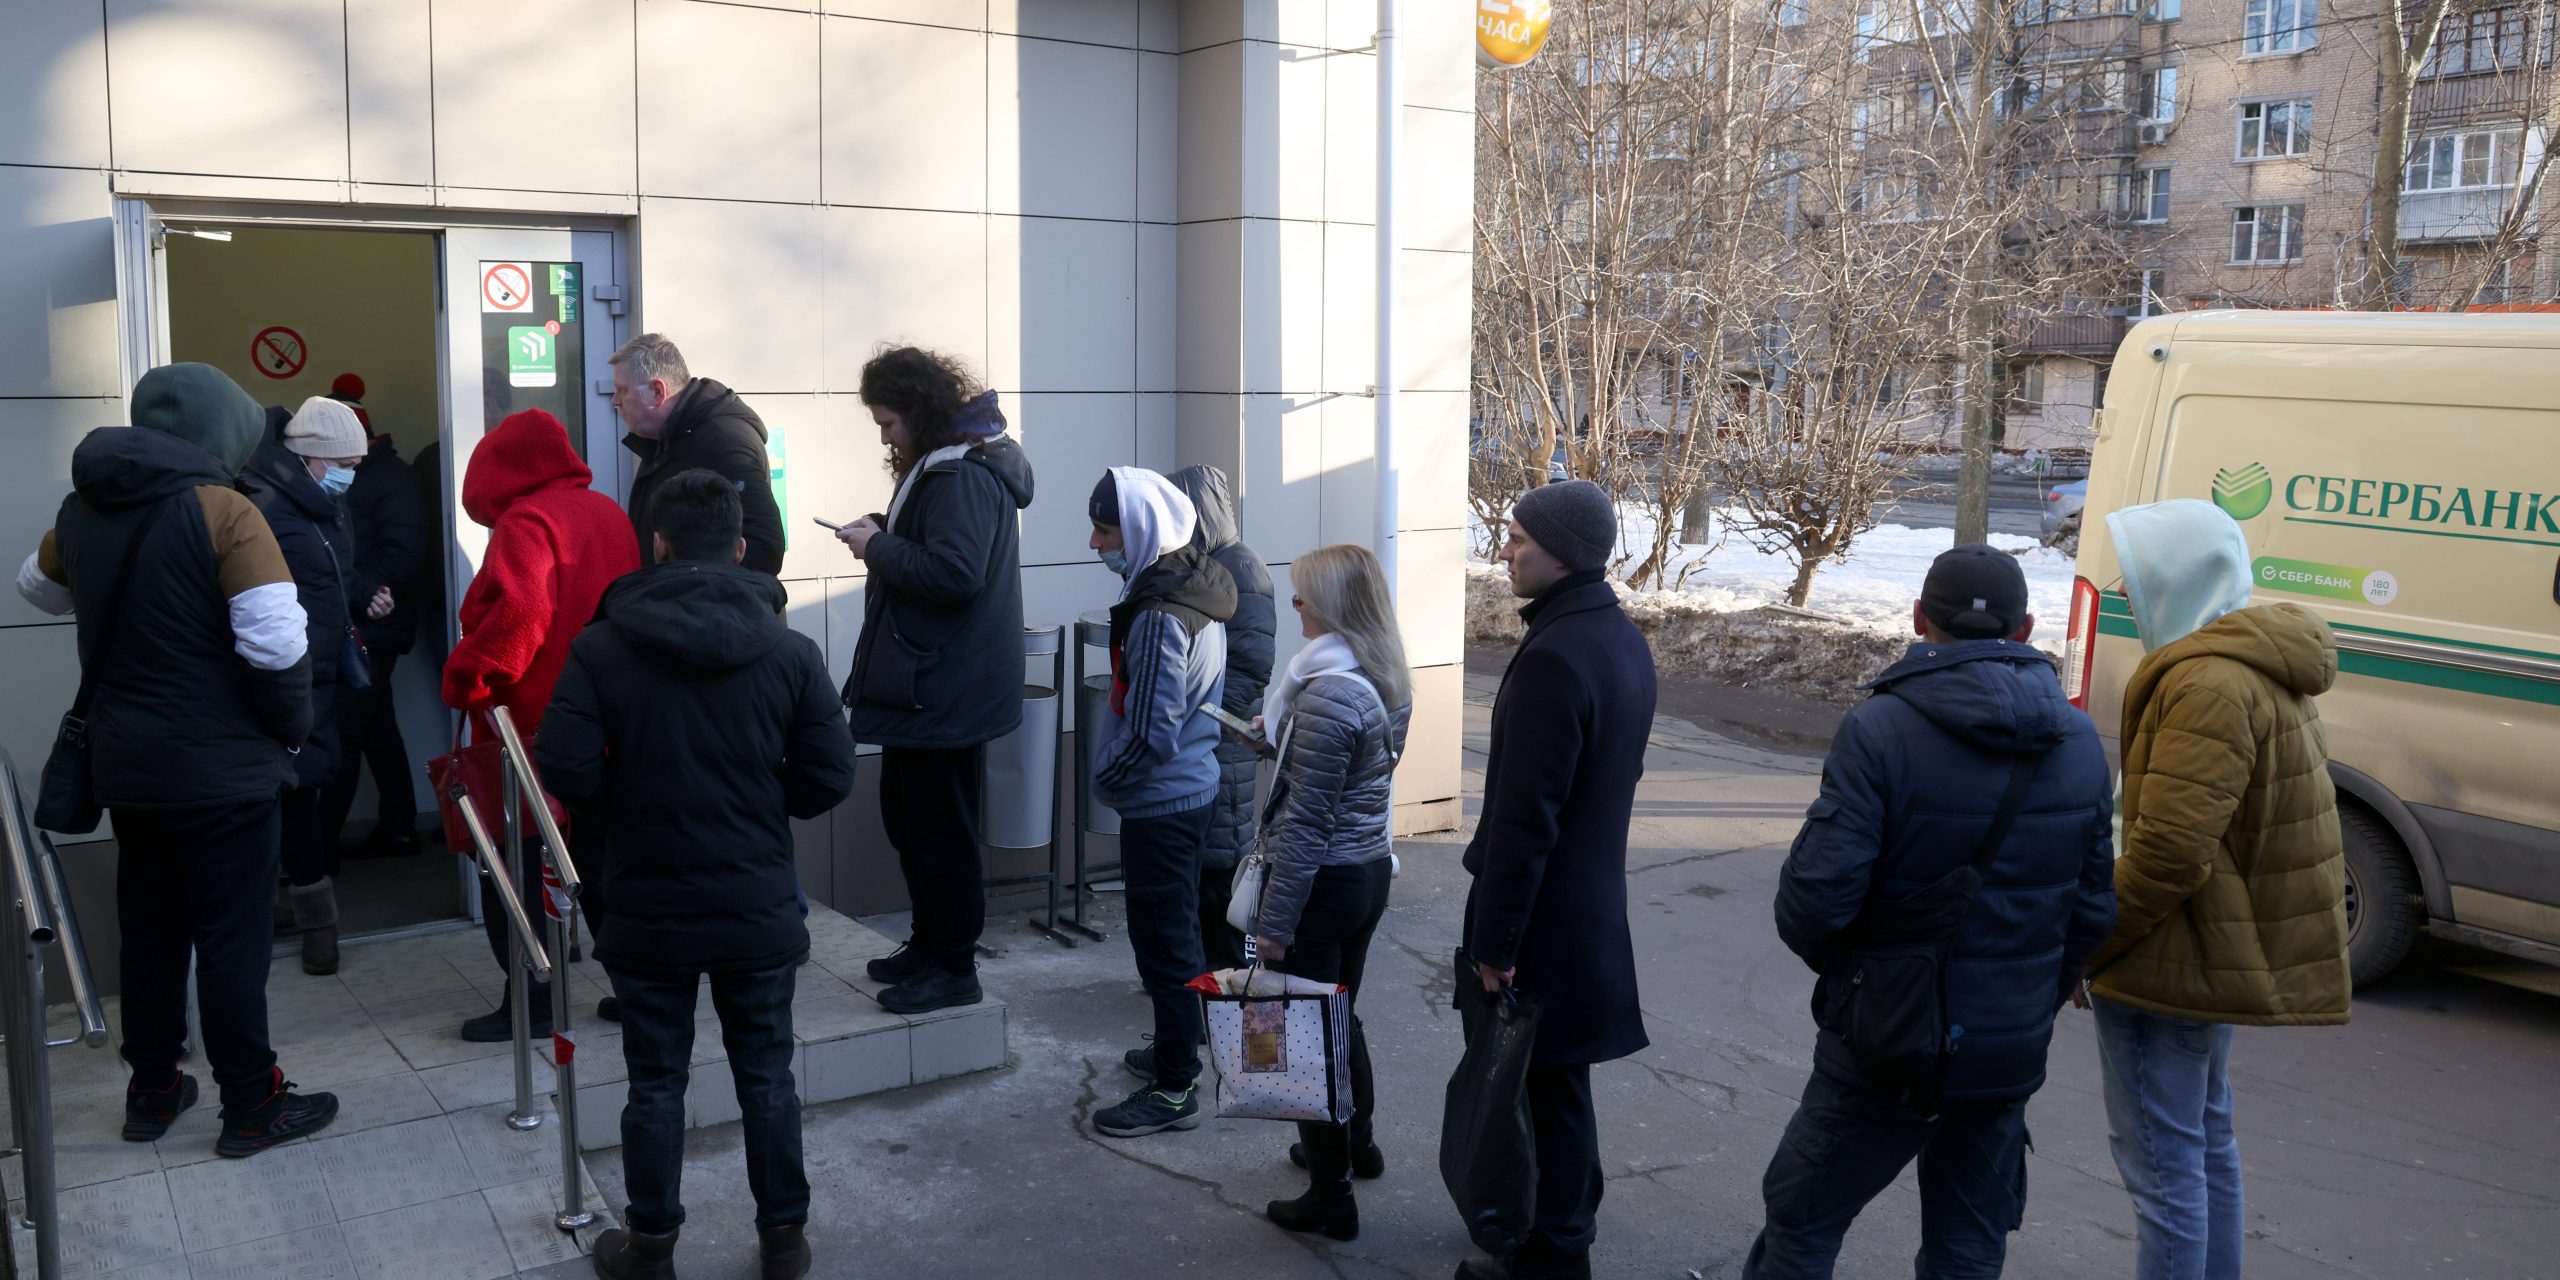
<point>479,768</point>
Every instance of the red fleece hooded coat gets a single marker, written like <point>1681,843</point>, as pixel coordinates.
<point>554,546</point>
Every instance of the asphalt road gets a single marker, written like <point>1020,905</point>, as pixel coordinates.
<point>2422,1140</point>
<point>2017,506</point>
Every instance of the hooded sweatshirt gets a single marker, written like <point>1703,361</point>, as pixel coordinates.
<point>1250,649</point>
<point>695,725</point>
<point>2231,888</point>
<point>939,664</point>
<point>1910,788</point>
<point>206,680</point>
<point>554,546</point>
<point>1157,751</point>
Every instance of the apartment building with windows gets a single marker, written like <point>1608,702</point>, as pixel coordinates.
<point>2261,123</point>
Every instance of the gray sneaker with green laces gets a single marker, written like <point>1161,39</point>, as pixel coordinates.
<point>1150,1110</point>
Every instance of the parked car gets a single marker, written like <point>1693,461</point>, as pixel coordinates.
<point>2062,504</point>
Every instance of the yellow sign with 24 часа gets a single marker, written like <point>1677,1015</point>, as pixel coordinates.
<point>1510,32</point>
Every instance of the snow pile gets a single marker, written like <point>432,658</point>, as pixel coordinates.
<point>1729,620</point>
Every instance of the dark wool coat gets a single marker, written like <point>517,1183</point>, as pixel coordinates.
<point>1550,853</point>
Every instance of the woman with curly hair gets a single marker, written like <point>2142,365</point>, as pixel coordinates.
<point>938,672</point>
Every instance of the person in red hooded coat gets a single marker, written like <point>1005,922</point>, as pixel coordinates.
<point>555,544</point>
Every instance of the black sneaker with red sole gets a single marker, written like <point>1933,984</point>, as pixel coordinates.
<point>283,1117</point>
<point>148,1113</point>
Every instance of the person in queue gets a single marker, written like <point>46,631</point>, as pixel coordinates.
<point>192,639</point>
<point>1155,763</point>
<point>299,481</point>
<point>1336,720</point>
<point>937,674</point>
<point>1548,910</point>
<point>694,725</point>
<point>555,544</point>
<point>679,422</point>
<point>1251,635</point>
<point>393,544</point>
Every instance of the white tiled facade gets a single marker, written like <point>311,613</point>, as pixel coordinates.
<point>1148,223</point>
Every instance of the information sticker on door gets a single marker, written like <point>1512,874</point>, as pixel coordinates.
<point>533,358</point>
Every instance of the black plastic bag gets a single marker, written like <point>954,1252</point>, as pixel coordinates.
<point>1488,1152</point>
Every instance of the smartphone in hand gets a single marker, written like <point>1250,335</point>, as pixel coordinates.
<point>1243,729</point>
<point>830,525</point>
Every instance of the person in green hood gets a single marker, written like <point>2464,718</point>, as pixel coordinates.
<point>191,722</point>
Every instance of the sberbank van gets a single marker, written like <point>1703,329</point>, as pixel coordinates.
<point>2400,476</point>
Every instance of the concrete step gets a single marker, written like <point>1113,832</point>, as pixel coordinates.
<point>422,1175</point>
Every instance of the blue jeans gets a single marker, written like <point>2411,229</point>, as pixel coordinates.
<point>657,1046</point>
<point>1846,1144</point>
<point>2169,1124</point>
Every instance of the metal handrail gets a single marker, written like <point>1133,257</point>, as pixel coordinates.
<point>35,872</point>
<point>494,865</point>
<point>555,849</point>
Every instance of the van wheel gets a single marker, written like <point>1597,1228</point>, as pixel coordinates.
<point>2383,907</point>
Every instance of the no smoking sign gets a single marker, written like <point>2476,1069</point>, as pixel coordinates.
<point>506,288</point>
<point>278,351</point>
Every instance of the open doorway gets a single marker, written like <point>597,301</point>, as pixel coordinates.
<point>292,312</point>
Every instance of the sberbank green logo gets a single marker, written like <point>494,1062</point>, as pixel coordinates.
<point>2245,492</point>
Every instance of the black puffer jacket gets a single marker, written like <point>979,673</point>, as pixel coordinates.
<point>713,429</point>
<point>939,664</point>
<point>1330,794</point>
<point>312,530</point>
<point>179,719</point>
<point>389,516</point>
<point>693,725</point>
<point>1250,640</point>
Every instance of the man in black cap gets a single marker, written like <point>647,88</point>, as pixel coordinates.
<point>1547,913</point>
<point>1948,882</point>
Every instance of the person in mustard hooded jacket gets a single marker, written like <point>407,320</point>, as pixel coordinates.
<point>2230,881</point>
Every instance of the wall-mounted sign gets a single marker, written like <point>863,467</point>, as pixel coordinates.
<point>1510,32</point>
<point>506,287</point>
<point>278,352</point>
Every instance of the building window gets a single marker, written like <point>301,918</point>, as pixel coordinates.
<point>2480,42</point>
<point>2148,198</point>
<point>2160,10</point>
<point>2266,233</point>
<point>2465,161</point>
<point>2279,26</point>
<point>2160,95</point>
<point>1794,13</point>
<point>2150,293</point>
<point>2026,388</point>
<point>2273,130</point>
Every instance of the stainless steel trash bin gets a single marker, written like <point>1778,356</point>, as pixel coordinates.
<point>1016,808</point>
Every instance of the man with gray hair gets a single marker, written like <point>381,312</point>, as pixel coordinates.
<point>679,422</point>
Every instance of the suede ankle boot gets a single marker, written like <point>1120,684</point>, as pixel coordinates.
<point>315,913</point>
<point>635,1255</point>
<point>785,1250</point>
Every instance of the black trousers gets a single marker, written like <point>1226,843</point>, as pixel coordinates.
<point>1160,869</point>
<point>369,734</point>
<point>657,1048</point>
<point>1569,1181</point>
<point>198,884</point>
<point>1341,914</point>
<point>1221,946</point>
<point>1846,1144</point>
<point>929,804</point>
<point>308,859</point>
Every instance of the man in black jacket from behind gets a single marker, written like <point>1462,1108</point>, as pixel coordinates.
<point>694,725</point>
<point>680,422</point>
<point>1548,911</point>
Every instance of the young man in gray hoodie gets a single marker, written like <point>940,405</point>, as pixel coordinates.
<point>1155,762</point>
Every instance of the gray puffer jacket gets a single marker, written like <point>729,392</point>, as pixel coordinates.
<point>1330,796</point>
<point>1250,648</point>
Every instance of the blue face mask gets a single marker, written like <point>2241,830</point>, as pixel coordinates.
<point>337,480</point>
<point>1115,561</point>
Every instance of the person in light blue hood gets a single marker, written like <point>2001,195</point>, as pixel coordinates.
<point>2185,565</point>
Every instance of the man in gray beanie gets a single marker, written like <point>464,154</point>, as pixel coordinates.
<point>1547,914</point>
